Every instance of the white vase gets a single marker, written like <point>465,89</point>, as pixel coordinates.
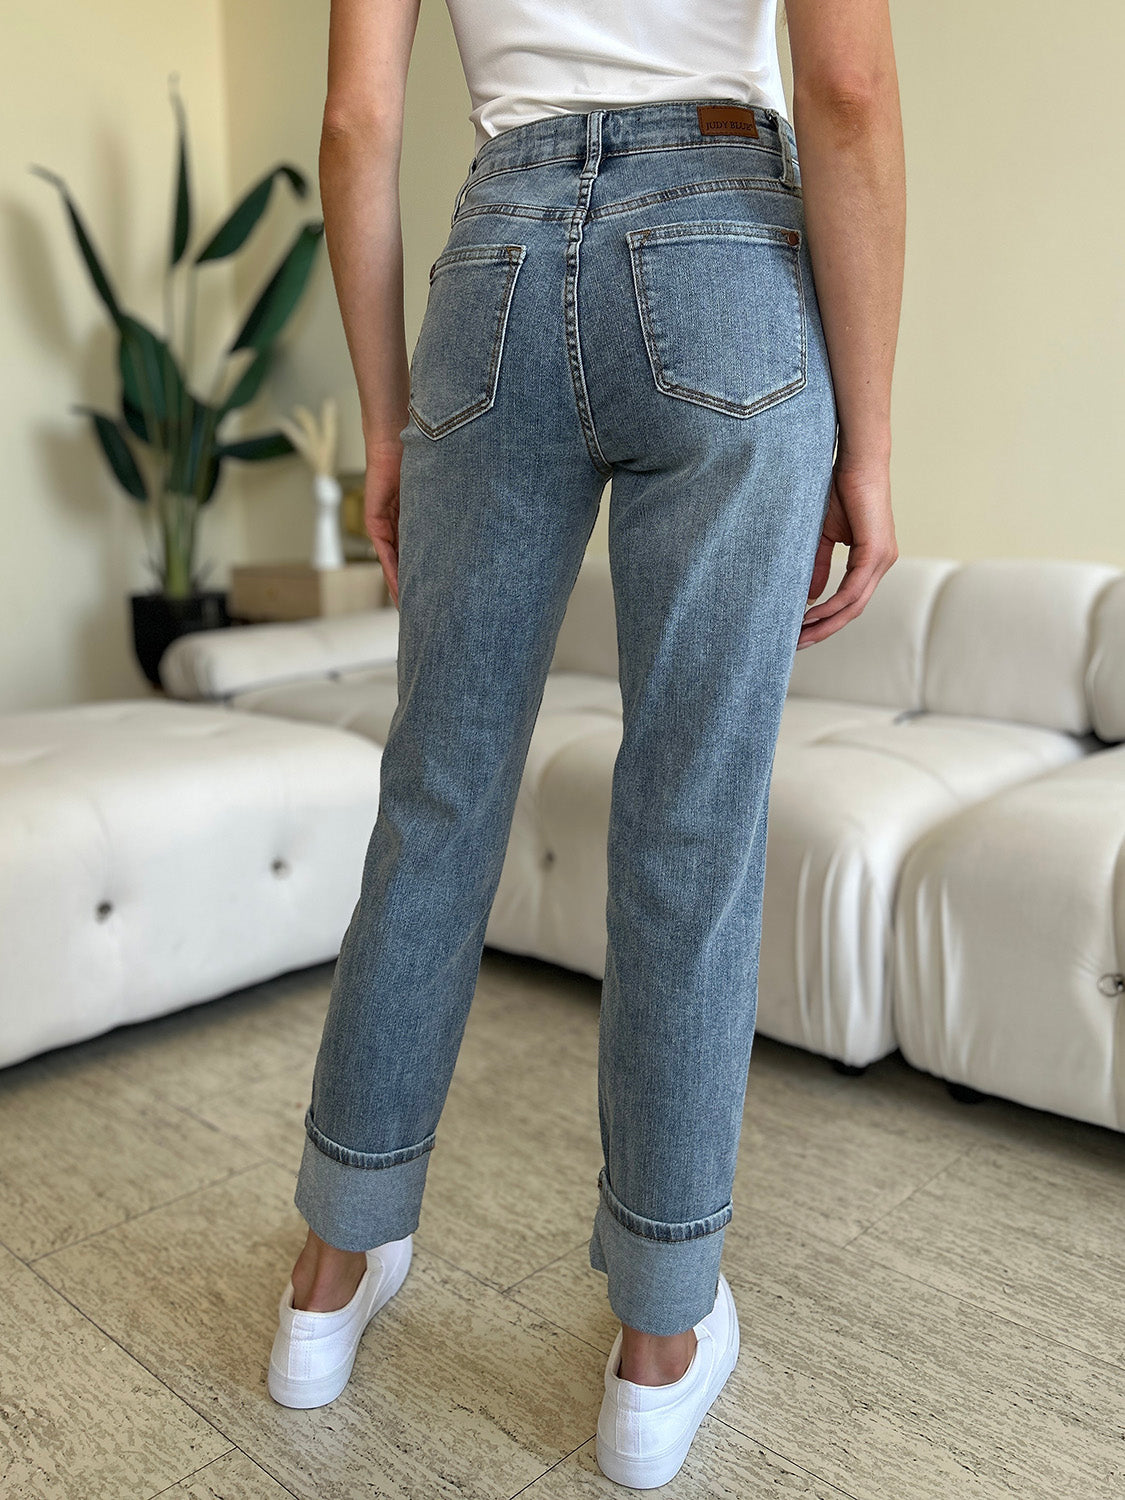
<point>328,551</point>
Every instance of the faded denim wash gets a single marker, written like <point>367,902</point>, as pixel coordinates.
<point>621,294</point>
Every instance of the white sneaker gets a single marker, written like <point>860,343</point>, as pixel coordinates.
<point>313,1352</point>
<point>645,1431</point>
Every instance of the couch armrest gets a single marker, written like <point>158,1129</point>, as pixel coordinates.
<point>217,663</point>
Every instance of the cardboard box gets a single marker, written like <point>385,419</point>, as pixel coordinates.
<point>296,591</point>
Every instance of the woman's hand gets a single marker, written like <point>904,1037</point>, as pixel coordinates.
<point>380,507</point>
<point>858,517</point>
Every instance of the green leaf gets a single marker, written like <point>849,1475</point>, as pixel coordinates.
<point>206,478</point>
<point>215,470</point>
<point>181,227</point>
<point>233,233</point>
<point>134,418</point>
<point>151,381</point>
<point>118,453</point>
<point>248,384</point>
<point>85,245</point>
<point>280,295</point>
<point>256,449</point>
<point>157,406</point>
<point>205,455</point>
<point>195,461</point>
<point>212,483</point>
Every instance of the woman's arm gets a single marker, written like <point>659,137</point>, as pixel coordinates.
<point>848,125</point>
<point>369,45</point>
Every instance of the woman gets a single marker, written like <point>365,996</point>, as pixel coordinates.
<point>641,280</point>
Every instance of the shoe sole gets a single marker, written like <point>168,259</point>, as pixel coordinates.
<point>649,1473</point>
<point>303,1394</point>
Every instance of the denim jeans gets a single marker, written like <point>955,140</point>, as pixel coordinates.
<point>623,293</point>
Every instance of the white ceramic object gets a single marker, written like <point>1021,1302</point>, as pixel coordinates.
<point>328,550</point>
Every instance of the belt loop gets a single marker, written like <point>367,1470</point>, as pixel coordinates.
<point>461,191</point>
<point>791,170</point>
<point>593,142</point>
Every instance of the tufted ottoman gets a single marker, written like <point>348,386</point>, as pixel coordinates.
<point>1010,944</point>
<point>155,854</point>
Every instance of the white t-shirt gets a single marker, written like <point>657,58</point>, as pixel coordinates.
<point>525,59</point>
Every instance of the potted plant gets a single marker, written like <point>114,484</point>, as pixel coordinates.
<point>182,432</point>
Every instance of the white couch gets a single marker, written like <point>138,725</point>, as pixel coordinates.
<point>945,813</point>
<point>155,854</point>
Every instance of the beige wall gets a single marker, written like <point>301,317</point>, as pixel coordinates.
<point>84,91</point>
<point>1007,433</point>
<point>276,56</point>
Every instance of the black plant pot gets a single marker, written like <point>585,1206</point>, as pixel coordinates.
<point>158,621</point>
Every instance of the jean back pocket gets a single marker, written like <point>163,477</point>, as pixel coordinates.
<point>455,367</point>
<point>722,310</point>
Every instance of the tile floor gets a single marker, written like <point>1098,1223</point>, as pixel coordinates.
<point>929,1292</point>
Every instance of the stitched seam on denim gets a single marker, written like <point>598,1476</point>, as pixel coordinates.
<point>573,334</point>
<point>689,189</point>
<point>485,401</point>
<point>729,229</point>
<point>498,255</point>
<point>519,211</point>
<point>626,205</point>
<point>668,195</point>
<point>577,158</point>
<point>788,169</point>
<point>660,1231</point>
<point>366,1159</point>
<point>578,373</point>
<point>705,398</point>
<point>799,276</point>
<point>701,145</point>
<point>461,191</point>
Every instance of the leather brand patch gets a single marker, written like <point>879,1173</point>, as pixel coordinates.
<point>726,119</point>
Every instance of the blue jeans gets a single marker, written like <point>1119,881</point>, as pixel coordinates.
<point>622,293</point>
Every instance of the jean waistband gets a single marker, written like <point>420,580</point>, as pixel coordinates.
<point>587,137</point>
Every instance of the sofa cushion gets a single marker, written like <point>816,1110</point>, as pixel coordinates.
<point>526,910</point>
<point>1105,679</point>
<point>569,813</point>
<point>1010,639</point>
<point>877,658</point>
<point>587,639</point>
<point>844,812</point>
<point>155,854</point>
<point>806,720</point>
<point>1010,944</point>
<point>362,699</point>
<point>570,692</point>
<point>217,663</point>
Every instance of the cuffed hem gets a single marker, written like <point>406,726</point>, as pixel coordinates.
<point>663,1277</point>
<point>356,1200</point>
<point>365,1159</point>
